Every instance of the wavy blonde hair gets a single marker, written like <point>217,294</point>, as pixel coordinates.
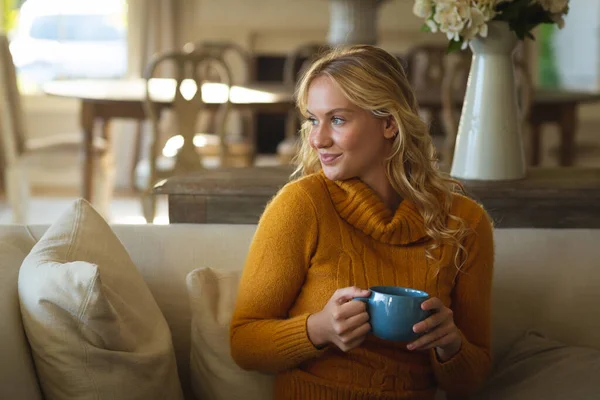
<point>374,80</point>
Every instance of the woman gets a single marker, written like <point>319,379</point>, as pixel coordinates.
<point>371,209</point>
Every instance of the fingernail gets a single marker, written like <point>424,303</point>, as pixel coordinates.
<point>410,346</point>
<point>415,329</point>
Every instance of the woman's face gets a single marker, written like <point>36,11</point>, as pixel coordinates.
<point>351,142</point>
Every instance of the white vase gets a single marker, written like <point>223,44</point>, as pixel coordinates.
<point>489,144</point>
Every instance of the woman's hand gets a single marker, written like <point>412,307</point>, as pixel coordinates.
<point>342,322</point>
<point>440,331</point>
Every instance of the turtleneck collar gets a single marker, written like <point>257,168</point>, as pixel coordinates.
<point>362,208</point>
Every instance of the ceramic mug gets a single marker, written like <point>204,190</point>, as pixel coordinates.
<point>394,310</point>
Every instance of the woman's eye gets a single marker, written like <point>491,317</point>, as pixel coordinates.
<point>312,121</point>
<point>337,121</point>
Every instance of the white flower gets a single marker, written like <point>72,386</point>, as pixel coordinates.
<point>423,8</point>
<point>432,25</point>
<point>487,9</point>
<point>452,16</point>
<point>476,26</point>
<point>554,6</point>
<point>464,20</point>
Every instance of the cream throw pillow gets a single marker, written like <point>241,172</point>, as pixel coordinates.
<point>95,330</point>
<point>537,367</point>
<point>214,374</point>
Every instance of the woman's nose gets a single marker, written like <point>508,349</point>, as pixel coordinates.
<point>320,137</point>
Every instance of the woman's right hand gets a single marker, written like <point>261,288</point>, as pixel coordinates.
<point>342,322</point>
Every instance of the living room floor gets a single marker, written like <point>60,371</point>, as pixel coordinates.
<point>126,206</point>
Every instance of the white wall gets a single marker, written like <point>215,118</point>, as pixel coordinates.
<point>276,26</point>
<point>577,46</point>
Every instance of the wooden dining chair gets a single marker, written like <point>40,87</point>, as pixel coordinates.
<point>192,68</point>
<point>31,162</point>
<point>294,65</point>
<point>241,143</point>
<point>241,65</point>
<point>425,66</point>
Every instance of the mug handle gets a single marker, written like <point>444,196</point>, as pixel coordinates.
<point>363,299</point>
<point>366,301</point>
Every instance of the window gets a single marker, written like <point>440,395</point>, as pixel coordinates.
<point>67,39</point>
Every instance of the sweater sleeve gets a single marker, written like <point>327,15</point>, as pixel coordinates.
<point>263,337</point>
<point>471,305</point>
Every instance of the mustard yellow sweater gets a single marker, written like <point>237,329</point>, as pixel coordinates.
<point>318,235</point>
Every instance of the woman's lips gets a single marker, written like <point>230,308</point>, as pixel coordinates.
<point>328,158</point>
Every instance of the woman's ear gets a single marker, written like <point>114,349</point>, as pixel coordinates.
<point>390,129</point>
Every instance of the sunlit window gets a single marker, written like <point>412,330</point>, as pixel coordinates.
<point>66,39</point>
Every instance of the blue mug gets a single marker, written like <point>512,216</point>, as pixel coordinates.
<point>394,310</point>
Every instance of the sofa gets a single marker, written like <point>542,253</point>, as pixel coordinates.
<point>546,293</point>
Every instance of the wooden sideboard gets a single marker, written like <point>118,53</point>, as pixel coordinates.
<point>547,198</point>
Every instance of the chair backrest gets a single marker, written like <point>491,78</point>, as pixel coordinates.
<point>295,63</point>
<point>191,85</point>
<point>426,66</point>
<point>242,66</point>
<point>298,59</point>
<point>12,128</point>
<point>228,52</point>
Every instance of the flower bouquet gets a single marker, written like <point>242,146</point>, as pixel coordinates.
<point>464,20</point>
<point>489,144</point>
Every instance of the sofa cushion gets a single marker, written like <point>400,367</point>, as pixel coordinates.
<point>214,374</point>
<point>545,280</point>
<point>537,367</point>
<point>93,325</point>
<point>17,373</point>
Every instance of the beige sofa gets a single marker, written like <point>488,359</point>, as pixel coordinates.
<point>547,280</point>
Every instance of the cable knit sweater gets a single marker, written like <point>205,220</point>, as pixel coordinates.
<point>318,235</point>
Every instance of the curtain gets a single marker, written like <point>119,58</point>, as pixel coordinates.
<point>152,29</point>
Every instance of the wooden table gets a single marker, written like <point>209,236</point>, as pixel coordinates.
<point>106,99</point>
<point>557,107</point>
<point>547,198</point>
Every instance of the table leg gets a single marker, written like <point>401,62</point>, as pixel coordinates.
<point>536,143</point>
<point>87,125</point>
<point>106,129</point>
<point>568,128</point>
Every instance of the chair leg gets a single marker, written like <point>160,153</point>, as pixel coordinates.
<point>104,183</point>
<point>250,128</point>
<point>137,152</point>
<point>149,207</point>
<point>288,148</point>
<point>535,144</point>
<point>17,193</point>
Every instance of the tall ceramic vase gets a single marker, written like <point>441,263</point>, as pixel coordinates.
<point>489,145</point>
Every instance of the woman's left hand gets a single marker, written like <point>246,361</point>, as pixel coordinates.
<point>440,331</point>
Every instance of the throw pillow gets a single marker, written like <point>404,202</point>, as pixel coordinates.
<point>95,329</point>
<point>214,374</point>
<point>537,367</point>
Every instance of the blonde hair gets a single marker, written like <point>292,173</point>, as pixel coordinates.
<point>374,80</point>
